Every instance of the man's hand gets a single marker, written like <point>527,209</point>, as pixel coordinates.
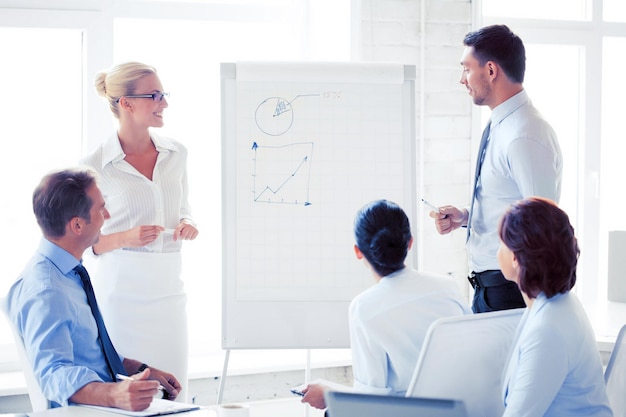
<point>133,395</point>
<point>449,218</point>
<point>167,381</point>
<point>136,394</point>
<point>314,395</point>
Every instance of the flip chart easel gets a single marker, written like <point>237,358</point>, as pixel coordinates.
<point>304,146</point>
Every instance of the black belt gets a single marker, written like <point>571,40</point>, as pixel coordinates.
<point>490,278</point>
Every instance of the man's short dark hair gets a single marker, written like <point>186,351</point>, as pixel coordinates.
<point>498,44</point>
<point>60,196</point>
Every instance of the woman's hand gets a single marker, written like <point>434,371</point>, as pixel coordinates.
<point>185,231</point>
<point>141,235</point>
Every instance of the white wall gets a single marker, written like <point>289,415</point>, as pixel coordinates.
<point>429,34</point>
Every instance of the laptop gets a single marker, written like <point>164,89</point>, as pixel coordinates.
<point>348,404</point>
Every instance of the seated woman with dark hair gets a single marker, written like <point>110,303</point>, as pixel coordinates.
<point>555,367</point>
<point>388,321</point>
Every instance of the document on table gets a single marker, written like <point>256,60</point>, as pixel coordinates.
<point>158,407</point>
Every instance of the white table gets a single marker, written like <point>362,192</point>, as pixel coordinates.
<point>74,411</point>
<point>282,407</point>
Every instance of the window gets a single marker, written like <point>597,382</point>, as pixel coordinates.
<point>614,11</point>
<point>55,110</point>
<point>193,117</point>
<point>566,118</point>
<point>192,75</point>
<point>613,149</point>
<point>42,130</point>
<point>573,78</point>
<point>537,9</point>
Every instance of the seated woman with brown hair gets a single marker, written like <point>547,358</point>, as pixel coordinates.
<point>555,367</point>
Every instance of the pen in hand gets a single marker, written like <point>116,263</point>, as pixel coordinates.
<point>297,392</point>
<point>432,206</point>
<point>127,378</point>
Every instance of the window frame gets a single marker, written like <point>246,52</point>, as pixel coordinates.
<point>96,20</point>
<point>591,286</point>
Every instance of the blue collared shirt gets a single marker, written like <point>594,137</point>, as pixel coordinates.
<point>555,367</point>
<point>522,159</point>
<point>49,307</point>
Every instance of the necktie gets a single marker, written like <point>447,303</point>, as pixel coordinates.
<point>110,354</point>
<point>479,163</point>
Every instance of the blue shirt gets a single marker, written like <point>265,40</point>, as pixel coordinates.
<point>522,159</point>
<point>49,306</point>
<point>555,368</point>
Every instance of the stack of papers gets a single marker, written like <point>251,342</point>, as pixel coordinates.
<point>158,407</point>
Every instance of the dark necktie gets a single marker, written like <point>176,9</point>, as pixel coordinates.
<point>479,163</point>
<point>110,354</point>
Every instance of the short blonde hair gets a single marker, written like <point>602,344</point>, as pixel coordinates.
<point>119,81</point>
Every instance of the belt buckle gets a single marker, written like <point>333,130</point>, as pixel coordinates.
<point>472,279</point>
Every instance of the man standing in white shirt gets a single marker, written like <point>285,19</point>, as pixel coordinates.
<point>522,158</point>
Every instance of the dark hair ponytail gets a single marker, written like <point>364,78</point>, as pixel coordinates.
<point>383,232</point>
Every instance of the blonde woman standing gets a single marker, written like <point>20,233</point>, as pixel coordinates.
<point>143,178</point>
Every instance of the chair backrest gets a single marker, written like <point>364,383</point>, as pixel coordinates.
<point>38,401</point>
<point>350,404</point>
<point>464,358</point>
<point>615,375</point>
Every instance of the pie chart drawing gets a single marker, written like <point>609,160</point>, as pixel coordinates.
<point>274,116</point>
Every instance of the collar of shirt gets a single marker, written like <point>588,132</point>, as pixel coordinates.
<point>396,273</point>
<point>541,301</point>
<point>503,110</point>
<point>112,149</point>
<point>59,257</point>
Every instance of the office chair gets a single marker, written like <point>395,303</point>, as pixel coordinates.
<point>615,375</point>
<point>464,358</point>
<point>38,401</point>
<point>351,404</point>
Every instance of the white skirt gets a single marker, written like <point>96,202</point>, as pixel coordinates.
<point>143,302</point>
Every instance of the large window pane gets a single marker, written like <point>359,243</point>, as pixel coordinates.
<point>614,10</point>
<point>559,100</point>
<point>613,140</point>
<point>613,171</point>
<point>191,74</point>
<point>539,9</point>
<point>597,120</point>
<point>41,129</point>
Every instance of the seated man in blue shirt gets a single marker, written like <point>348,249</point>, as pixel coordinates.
<point>49,304</point>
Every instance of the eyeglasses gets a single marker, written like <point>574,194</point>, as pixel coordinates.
<point>153,96</point>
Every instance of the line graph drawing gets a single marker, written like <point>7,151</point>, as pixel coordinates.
<point>282,174</point>
<point>274,115</point>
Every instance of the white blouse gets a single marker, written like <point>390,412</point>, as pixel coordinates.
<point>134,200</point>
<point>388,323</point>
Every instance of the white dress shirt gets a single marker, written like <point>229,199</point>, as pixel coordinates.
<point>388,323</point>
<point>134,200</point>
<point>522,159</point>
<point>555,367</point>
